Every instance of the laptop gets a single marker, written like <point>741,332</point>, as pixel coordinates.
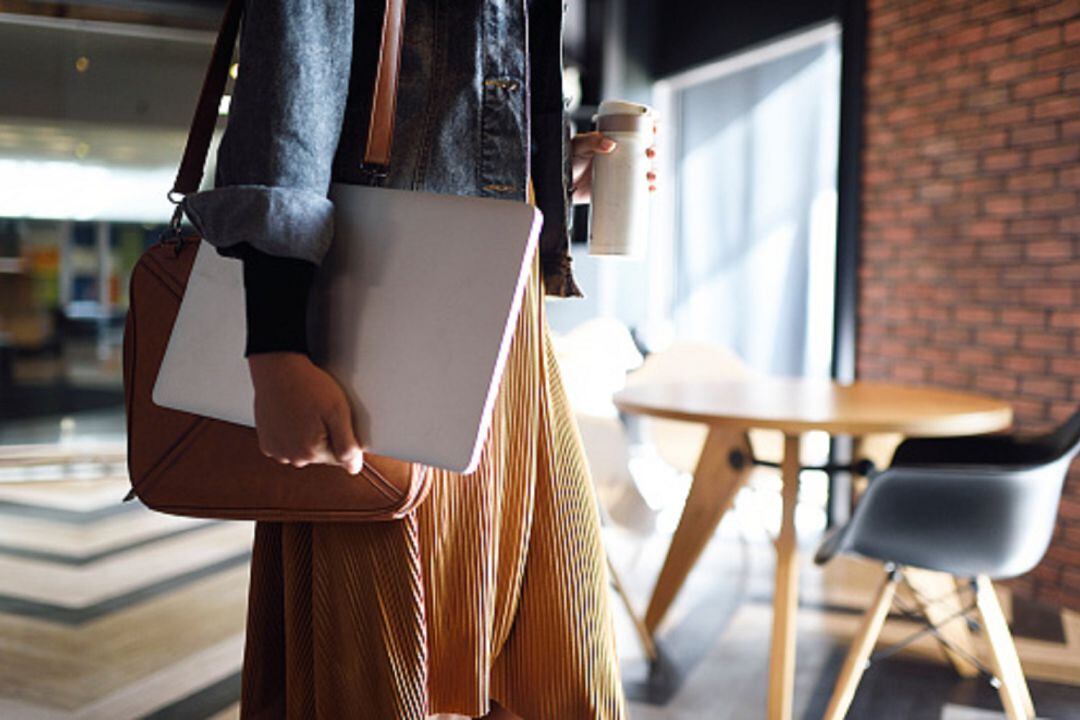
<point>412,311</point>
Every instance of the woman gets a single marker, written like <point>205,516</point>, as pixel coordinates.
<point>492,597</point>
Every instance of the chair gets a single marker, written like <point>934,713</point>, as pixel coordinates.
<point>977,507</point>
<point>679,443</point>
<point>593,360</point>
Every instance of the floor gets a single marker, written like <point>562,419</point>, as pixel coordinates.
<point>108,610</point>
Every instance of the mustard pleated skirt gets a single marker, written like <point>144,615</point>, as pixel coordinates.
<point>494,589</point>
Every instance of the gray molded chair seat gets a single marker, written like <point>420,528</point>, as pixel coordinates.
<point>977,508</point>
<point>979,505</point>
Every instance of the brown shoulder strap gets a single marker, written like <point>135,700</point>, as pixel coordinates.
<point>384,97</point>
<point>206,110</point>
<point>380,128</point>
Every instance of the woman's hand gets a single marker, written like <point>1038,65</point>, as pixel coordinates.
<point>301,414</point>
<point>583,147</point>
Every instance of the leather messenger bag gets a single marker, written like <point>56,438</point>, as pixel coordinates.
<point>186,464</point>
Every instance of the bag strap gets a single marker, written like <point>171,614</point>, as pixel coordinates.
<point>384,97</point>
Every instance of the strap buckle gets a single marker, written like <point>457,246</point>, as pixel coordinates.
<point>176,221</point>
<point>174,232</point>
<point>374,172</point>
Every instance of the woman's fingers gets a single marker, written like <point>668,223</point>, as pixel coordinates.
<point>331,443</point>
<point>302,416</point>
<point>588,144</point>
<point>298,451</point>
<point>650,152</point>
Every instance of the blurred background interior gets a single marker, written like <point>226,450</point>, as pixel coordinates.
<point>872,190</point>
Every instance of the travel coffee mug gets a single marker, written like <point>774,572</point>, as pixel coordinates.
<point>619,218</point>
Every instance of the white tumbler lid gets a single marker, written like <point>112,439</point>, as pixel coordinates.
<point>623,116</point>
<point>622,107</point>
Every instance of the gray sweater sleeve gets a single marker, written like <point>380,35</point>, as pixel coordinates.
<point>275,158</point>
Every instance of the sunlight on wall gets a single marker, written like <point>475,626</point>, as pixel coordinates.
<point>755,211</point>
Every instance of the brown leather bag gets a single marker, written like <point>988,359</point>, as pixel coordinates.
<point>186,464</point>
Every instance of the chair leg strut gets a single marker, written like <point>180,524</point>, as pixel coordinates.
<point>644,636</point>
<point>1006,673</point>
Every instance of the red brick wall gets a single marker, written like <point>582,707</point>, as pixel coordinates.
<point>970,268</point>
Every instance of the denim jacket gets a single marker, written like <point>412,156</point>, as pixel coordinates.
<point>479,108</point>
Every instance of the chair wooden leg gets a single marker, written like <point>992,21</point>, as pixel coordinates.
<point>1013,689</point>
<point>861,647</point>
<point>927,585</point>
<point>643,634</point>
<point>711,494</point>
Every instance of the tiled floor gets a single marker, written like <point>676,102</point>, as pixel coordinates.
<point>715,647</point>
<point>110,611</point>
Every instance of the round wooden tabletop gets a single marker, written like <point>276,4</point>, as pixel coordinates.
<point>798,405</point>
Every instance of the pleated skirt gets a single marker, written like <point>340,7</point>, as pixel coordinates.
<point>494,589</point>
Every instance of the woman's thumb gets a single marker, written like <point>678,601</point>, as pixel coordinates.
<point>343,443</point>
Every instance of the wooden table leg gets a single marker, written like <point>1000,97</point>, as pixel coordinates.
<point>711,493</point>
<point>935,592</point>
<point>786,592</point>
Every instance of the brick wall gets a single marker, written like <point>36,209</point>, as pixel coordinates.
<point>970,268</point>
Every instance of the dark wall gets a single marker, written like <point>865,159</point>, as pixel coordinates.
<point>691,32</point>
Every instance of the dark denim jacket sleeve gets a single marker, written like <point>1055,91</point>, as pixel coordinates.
<point>275,158</point>
<point>551,161</point>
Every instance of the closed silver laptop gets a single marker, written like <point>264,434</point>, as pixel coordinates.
<point>412,312</point>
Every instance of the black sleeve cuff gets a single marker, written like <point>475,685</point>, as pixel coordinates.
<point>276,293</point>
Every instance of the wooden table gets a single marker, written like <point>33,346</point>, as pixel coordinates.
<point>877,415</point>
